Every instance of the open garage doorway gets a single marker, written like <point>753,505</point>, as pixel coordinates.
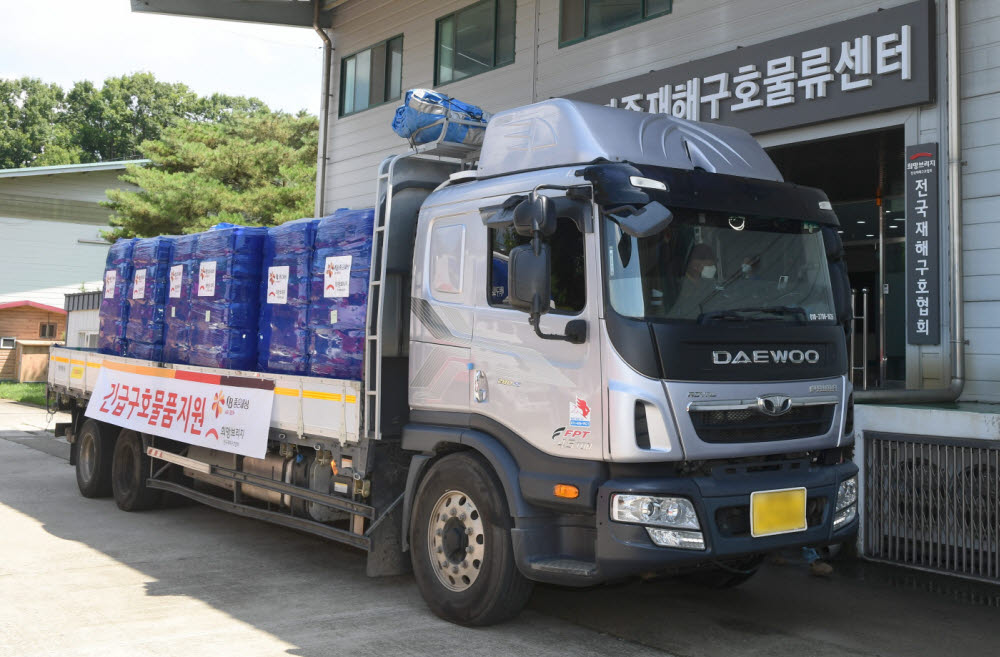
<point>862,174</point>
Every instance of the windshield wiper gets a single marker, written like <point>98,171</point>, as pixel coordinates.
<point>746,314</point>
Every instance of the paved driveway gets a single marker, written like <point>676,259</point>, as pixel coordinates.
<point>79,577</point>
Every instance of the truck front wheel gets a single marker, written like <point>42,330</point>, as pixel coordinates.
<point>460,544</point>
<point>129,471</point>
<point>93,460</point>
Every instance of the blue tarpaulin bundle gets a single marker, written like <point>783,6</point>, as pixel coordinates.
<point>283,338</point>
<point>422,107</point>
<point>338,298</point>
<point>177,333</point>
<point>113,316</point>
<point>150,280</point>
<point>225,297</point>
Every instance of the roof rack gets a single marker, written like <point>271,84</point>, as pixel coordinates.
<point>467,153</point>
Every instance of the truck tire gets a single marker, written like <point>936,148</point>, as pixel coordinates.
<point>94,452</point>
<point>460,544</point>
<point>129,471</point>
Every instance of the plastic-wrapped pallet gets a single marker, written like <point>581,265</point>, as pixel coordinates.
<point>338,297</point>
<point>113,315</point>
<point>283,337</point>
<point>422,107</point>
<point>177,330</point>
<point>150,280</point>
<point>225,297</point>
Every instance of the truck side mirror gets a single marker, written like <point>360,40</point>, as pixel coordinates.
<point>536,214</point>
<point>529,288</point>
<point>529,278</point>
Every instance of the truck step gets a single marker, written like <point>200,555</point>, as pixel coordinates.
<point>563,566</point>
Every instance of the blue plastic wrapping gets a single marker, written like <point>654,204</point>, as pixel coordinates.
<point>147,300</point>
<point>283,335</point>
<point>338,295</point>
<point>113,315</point>
<point>422,107</point>
<point>177,309</point>
<point>225,297</point>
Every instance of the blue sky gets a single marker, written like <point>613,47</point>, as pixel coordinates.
<point>63,41</point>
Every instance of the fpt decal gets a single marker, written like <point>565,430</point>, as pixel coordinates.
<point>579,413</point>
<point>571,438</point>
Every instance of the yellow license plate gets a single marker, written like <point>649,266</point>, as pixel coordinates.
<point>777,511</point>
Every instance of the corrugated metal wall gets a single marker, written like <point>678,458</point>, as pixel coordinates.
<point>980,65</point>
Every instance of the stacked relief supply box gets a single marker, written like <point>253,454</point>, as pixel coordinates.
<point>177,330</point>
<point>225,297</point>
<point>113,315</point>
<point>338,296</point>
<point>150,280</point>
<point>283,339</point>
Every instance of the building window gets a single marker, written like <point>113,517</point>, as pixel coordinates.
<point>569,291</point>
<point>474,40</point>
<point>371,77</point>
<point>583,19</point>
<point>8,343</point>
<point>47,331</point>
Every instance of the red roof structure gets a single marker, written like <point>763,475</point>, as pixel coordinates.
<point>32,304</point>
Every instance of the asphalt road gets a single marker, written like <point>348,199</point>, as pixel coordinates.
<point>80,577</point>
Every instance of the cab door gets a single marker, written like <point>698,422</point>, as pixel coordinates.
<point>547,392</point>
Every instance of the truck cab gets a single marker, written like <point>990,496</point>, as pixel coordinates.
<point>631,322</point>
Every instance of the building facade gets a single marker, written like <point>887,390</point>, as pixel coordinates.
<point>51,222</point>
<point>847,91</point>
<point>26,331</point>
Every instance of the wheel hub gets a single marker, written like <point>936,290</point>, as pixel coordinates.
<point>456,540</point>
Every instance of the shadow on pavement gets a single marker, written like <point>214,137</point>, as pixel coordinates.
<point>301,590</point>
<point>314,595</point>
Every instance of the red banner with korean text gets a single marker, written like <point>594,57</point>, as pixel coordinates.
<point>231,414</point>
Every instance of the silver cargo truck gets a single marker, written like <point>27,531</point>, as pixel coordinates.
<point>601,345</point>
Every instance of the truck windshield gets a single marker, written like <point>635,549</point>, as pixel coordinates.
<point>716,266</point>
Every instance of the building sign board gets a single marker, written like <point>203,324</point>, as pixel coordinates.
<point>923,291</point>
<point>867,64</point>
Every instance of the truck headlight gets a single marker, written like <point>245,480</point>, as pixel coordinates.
<point>847,502</point>
<point>674,512</point>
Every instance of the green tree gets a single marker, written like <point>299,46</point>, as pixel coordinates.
<point>42,125</point>
<point>254,169</point>
<point>109,123</point>
<point>31,131</point>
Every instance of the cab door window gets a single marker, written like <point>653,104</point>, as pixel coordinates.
<point>569,292</point>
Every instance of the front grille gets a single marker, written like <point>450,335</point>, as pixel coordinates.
<point>734,521</point>
<point>749,425</point>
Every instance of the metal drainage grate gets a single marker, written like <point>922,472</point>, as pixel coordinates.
<point>933,503</point>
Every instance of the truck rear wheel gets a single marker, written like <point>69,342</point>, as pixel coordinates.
<point>94,452</point>
<point>460,544</point>
<point>129,471</point>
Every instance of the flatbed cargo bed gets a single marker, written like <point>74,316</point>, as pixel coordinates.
<point>306,409</point>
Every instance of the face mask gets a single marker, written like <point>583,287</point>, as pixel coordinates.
<point>745,268</point>
<point>708,271</point>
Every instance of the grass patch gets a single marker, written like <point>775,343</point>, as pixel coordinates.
<point>27,393</point>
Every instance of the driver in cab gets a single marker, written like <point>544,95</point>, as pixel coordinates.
<point>698,282</point>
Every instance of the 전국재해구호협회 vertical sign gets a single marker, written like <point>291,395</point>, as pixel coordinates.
<point>228,413</point>
<point>866,64</point>
<point>923,292</point>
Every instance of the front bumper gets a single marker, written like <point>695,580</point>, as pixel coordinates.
<point>722,501</point>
